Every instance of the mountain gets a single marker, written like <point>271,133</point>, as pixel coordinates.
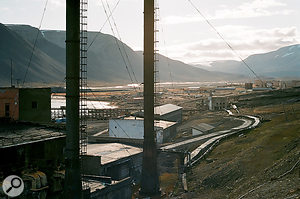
<point>284,62</point>
<point>108,59</point>
<point>105,63</point>
<point>43,67</point>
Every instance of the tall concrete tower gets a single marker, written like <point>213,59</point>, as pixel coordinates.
<point>150,180</point>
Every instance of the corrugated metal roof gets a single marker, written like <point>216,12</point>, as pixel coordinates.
<point>165,109</point>
<point>203,127</point>
<point>26,134</point>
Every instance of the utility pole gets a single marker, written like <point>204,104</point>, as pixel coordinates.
<point>72,177</point>
<point>150,181</point>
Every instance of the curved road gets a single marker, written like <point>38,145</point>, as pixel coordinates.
<point>249,122</point>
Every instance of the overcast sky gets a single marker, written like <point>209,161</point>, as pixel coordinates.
<point>250,26</point>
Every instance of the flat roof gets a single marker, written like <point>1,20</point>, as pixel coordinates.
<point>203,127</point>
<point>166,108</point>
<point>20,134</point>
<point>23,88</point>
<point>111,152</point>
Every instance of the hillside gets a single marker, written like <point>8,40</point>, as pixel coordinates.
<point>43,67</point>
<point>284,62</point>
<point>105,49</point>
<point>261,163</point>
<point>105,63</point>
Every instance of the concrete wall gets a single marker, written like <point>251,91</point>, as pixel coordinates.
<point>168,133</point>
<point>35,105</point>
<point>219,103</point>
<point>131,129</point>
<point>126,128</point>
<point>196,132</point>
<point>119,190</point>
<point>125,167</point>
<point>91,165</point>
<point>9,97</point>
<point>175,116</point>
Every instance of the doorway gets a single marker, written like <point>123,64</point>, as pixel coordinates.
<point>6,110</point>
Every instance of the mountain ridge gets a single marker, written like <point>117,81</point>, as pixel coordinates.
<point>105,63</point>
<point>280,63</point>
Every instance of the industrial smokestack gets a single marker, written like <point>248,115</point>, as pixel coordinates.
<point>72,176</point>
<point>150,181</point>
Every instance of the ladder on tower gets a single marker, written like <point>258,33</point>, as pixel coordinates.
<point>156,55</point>
<point>83,87</point>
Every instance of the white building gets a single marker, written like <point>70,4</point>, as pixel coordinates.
<point>132,127</point>
<point>167,112</point>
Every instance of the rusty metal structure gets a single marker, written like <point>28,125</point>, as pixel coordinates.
<point>150,180</point>
<point>83,111</point>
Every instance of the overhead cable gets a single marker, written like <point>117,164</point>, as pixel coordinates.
<point>107,19</point>
<point>35,42</point>
<point>123,45</point>
<point>118,45</point>
<point>227,43</point>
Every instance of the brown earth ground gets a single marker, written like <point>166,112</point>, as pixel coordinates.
<point>262,163</point>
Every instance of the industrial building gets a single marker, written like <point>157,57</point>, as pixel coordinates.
<point>115,160</point>
<point>218,102</point>
<point>26,104</point>
<point>225,89</point>
<point>167,112</point>
<point>35,153</point>
<point>248,85</point>
<point>133,128</point>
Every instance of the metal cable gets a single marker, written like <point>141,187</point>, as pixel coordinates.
<point>113,32</point>
<point>35,41</point>
<point>227,43</point>
<point>123,46</point>
<point>93,40</point>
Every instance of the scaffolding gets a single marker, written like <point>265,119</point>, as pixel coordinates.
<point>156,54</point>
<point>83,138</point>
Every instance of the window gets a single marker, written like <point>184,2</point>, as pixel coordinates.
<point>34,105</point>
<point>6,110</point>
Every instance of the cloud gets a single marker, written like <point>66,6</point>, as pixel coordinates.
<point>257,8</point>
<point>252,9</point>
<point>181,19</point>
<point>244,40</point>
<point>58,3</point>
<point>4,9</point>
